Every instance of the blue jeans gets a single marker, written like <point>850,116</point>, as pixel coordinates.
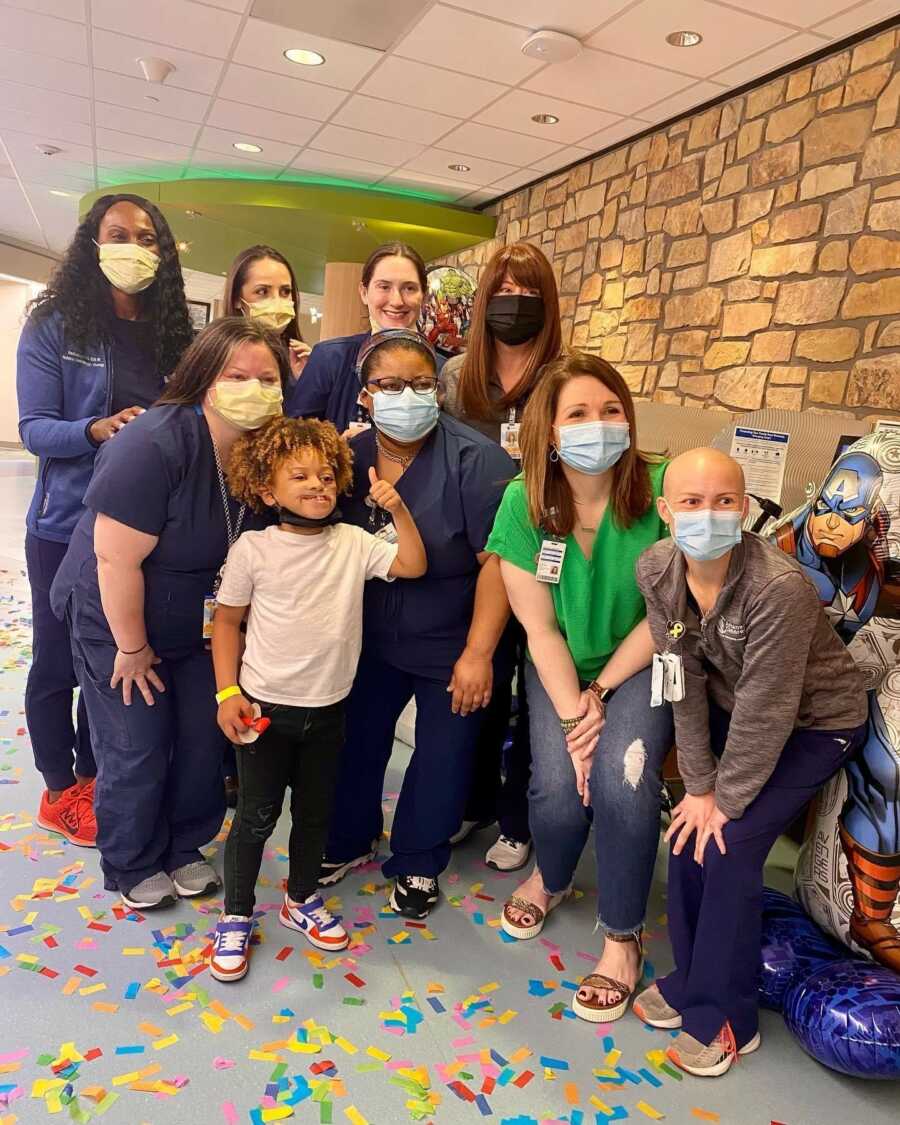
<point>626,798</point>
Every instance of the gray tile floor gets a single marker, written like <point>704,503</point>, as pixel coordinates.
<point>149,1043</point>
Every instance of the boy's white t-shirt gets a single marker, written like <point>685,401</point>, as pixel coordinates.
<point>305,592</point>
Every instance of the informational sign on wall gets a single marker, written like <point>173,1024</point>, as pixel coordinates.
<point>762,454</point>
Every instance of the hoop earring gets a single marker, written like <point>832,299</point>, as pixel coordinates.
<point>554,454</point>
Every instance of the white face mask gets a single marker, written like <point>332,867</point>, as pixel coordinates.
<point>127,266</point>
<point>271,312</point>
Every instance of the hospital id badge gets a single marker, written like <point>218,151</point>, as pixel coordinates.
<point>388,533</point>
<point>209,612</point>
<point>550,561</point>
<point>509,439</point>
<point>666,679</point>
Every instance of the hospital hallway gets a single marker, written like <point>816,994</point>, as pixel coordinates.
<point>114,1016</point>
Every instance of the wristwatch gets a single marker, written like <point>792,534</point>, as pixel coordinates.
<point>601,694</point>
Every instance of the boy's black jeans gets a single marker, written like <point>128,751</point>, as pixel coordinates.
<point>300,750</point>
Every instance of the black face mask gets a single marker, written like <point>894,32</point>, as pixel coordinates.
<point>291,518</point>
<point>514,319</point>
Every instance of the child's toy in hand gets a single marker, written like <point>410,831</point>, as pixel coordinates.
<point>255,724</point>
<point>384,494</point>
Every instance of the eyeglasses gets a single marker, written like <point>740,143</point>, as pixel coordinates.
<point>392,385</point>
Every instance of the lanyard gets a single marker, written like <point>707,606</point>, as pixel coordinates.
<point>232,531</point>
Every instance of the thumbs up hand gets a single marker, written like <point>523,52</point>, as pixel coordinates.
<point>384,494</point>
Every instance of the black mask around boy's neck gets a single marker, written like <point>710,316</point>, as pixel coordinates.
<point>293,520</point>
<point>515,318</point>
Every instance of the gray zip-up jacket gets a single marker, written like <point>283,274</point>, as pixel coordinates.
<point>765,653</point>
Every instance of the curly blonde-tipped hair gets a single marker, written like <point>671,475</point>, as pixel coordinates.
<point>257,455</point>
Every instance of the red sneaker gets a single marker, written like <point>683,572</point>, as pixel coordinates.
<point>71,815</point>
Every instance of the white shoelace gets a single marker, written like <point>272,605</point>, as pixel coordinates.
<point>322,916</point>
<point>231,941</point>
<point>423,883</point>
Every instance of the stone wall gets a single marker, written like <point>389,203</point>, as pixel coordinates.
<point>747,256</point>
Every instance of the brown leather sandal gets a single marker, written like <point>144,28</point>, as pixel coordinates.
<point>591,1009</point>
<point>523,932</point>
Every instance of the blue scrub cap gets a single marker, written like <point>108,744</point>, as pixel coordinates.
<point>385,337</point>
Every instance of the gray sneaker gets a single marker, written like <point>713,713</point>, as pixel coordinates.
<point>194,879</point>
<point>651,1007</point>
<point>151,893</point>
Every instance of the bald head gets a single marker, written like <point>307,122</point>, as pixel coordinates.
<point>703,479</point>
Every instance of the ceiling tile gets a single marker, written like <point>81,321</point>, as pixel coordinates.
<point>62,179</point>
<point>114,168</point>
<point>44,73</point>
<point>475,198</point>
<point>427,185</point>
<point>119,89</point>
<point>239,6</point>
<point>577,17</point>
<point>171,22</point>
<point>681,102</point>
<point>14,97</point>
<point>858,18</point>
<point>607,82</point>
<point>263,45</point>
<point>515,180</point>
<point>211,165</point>
<point>150,148</point>
<point>22,148</point>
<point>128,120</point>
<point>800,13</point>
<point>436,162</point>
<point>288,95</point>
<point>42,125</point>
<point>224,140</point>
<point>516,109</point>
<point>18,219</point>
<point>728,36</point>
<point>119,53</point>
<point>367,146</point>
<point>470,44</point>
<point>430,88</point>
<point>787,51</point>
<point>65,9</point>
<point>560,159</point>
<point>248,120</point>
<point>622,130</point>
<point>45,35</point>
<point>498,144</point>
<point>337,167</point>
<point>393,119</point>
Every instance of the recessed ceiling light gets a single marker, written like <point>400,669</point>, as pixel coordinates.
<point>544,118</point>
<point>304,57</point>
<point>459,167</point>
<point>64,194</point>
<point>245,146</point>
<point>193,214</point>
<point>684,38</point>
<point>150,98</point>
<point>183,246</point>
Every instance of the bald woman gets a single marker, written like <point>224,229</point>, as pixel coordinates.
<point>768,707</point>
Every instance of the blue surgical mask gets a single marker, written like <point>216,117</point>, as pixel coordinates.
<point>706,535</point>
<point>593,447</point>
<point>405,417</point>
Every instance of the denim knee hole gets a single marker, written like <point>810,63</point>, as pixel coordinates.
<point>634,760</point>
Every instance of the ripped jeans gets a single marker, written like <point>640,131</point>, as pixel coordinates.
<point>300,750</point>
<point>626,798</point>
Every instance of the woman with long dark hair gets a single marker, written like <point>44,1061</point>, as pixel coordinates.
<point>99,344</point>
<point>514,333</point>
<point>392,288</point>
<point>138,587</point>
<point>261,285</point>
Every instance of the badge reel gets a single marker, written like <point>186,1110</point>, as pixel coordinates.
<point>256,725</point>
<point>667,675</point>
<point>550,561</point>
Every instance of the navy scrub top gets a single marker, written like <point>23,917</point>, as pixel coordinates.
<point>158,475</point>
<point>453,489</point>
<point>328,388</point>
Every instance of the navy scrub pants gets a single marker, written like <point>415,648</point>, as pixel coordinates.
<point>715,911</point>
<point>159,795</point>
<point>58,744</point>
<point>435,785</point>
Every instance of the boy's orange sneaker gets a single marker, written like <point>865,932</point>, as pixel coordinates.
<point>71,815</point>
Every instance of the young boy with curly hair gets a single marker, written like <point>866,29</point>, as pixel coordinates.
<point>299,584</point>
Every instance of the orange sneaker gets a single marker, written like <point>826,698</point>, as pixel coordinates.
<point>71,815</point>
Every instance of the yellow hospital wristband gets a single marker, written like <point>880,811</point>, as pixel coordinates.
<point>227,693</point>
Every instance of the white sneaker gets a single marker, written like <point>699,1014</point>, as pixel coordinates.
<point>229,958</point>
<point>314,920</point>
<point>508,854</point>
<point>466,829</point>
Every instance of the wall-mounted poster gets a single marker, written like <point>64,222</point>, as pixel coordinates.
<point>200,313</point>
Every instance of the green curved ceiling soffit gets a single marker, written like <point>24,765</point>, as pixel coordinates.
<point>310,223</point>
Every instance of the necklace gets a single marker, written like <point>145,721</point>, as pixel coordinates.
<point>397,458</point>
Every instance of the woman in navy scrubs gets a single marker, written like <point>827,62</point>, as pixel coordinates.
<point>434,639</point>
<point>99,343</point>
<point>136,586</point>
<point>392,289</point>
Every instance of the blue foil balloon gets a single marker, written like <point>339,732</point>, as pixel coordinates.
<point>793,946</point>
<point>847,1016</point>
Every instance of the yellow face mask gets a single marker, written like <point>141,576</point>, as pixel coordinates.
<point>127,266</point>
<point>272,312</point>
<point>246,405</point>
